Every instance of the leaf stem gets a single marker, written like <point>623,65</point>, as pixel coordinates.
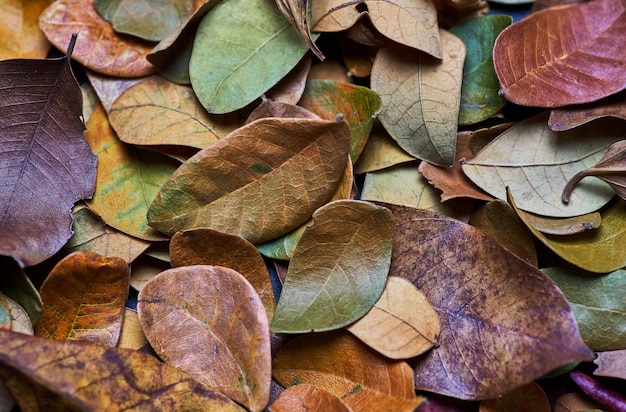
<point>569,187</point>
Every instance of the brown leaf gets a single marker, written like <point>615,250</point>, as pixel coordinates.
<point>401,325</point>
<point>109,88</point>
<point>575,402</point>
<point>562,226</point>
<point>271,108</point>
<point>20,36</point>
<point>290,88</point>
<point>199,317</point>
<point>563,55</point>
<point>204,246</point>
<point>50,375</point>
<point>339,363</point>
<point>84,298</point>
<point>566,118</point>
<point>409,22</point>
<point>529,397</point>
<point>296,12</point>
<point>611,168</point>
<point>329,70</point>
<point>131,334</point>
<point>98,47</point>
<point>611,363</point>
<point>492,306</point>
<point>306,397</point>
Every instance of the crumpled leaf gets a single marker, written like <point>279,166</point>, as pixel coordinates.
<point>421,97</point>
<point>84,298</point>
<point>536,163</point>
<point>495,335</point>
<point>529,397</point>
<point>232,47</point>
<point>243,188</point>
<point>46,163</point>
<point>341,262</point>
<point>91,234</point>
<point>564,118</point>
<point>598,304</point>
<point>340,364</point>
<point>611,168</point>
<point>98,47</point>
<point>296,12</point>
<point>150,20</point>
<point>401,325</point>
<point>209,322</point>
<point>611,363</point>
<point>598,250</point>
<point>358,105</point>
<point>562,56</point>
<point>305,397</point>
<point>20,36</point>
<point>158,112</point>
<point>44,374</point>
<point>409,22</point>
<point>128,179</point>
<point>479,91</point>
<point>203,246</point>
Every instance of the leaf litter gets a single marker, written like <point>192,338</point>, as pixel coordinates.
<point>418,96</point>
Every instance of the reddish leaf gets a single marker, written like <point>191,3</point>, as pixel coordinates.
<point>563,55</point>
<point>307,397</point>
<point>84,299</point>
<point>610,399</point>
<point>495,335</point>
<point>566,118</point>
<point>46,163</point>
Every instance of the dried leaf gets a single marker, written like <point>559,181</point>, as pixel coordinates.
<point>492,305</point>
<point>98,47</point>
<point>20,35</point>
<point>357,105</point>
<point>296,12</point>
<point>306,397</point>
<point>199,317</point>
<point>611,168</point>
<point>150,20</point>
<point>341,262</point>
<point>144,269</point>
<point>479,91</point>
<point>562,56</point>
<point>380,152</point>
<point>529,397</point>
<point>19,318</point>
<point>46,374</point>
<point>16,285</point>
<point>46,163</point>
<point>92,235</point>
<point>131,334</point>
<point>575,402</point>
<point>421,97</point>
<point>562,226</point>
<point>536,163</point>
<point>242,190</point>
<point>598,304</point>
<point>409,22</point>
<point>329,70</point>
<point>231,48</point>
<point>270,108</point>
<point>108,88</point>
<point>158,112</point>
<point>611,363</point>
<point>203,246</point>
<point>339,363</point>
<point>608,399</point>
<point>598,250</point>
<point>401,325</point>
<point>565,118</point>
<point>84,298</point>
<point>290,88</point>
<point>128,179</point>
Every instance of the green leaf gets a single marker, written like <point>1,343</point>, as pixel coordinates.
<point>338,270</point>
<point>148,19</point>
<point>599,250</point>
<point>242,49</point>
<point>598,304</point>
<point>479,91</point>
<point>536,163</point>
<point>358,105</point>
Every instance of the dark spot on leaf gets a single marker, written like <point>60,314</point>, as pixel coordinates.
<point>260,168</point>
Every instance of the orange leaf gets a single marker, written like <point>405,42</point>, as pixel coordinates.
<point>98,47</point>
<point>209,322</point>
<point>50,375</point>
<point>563,55</point>
<point>308,398</point>
<point>20,36</point>
<point>84,298</point>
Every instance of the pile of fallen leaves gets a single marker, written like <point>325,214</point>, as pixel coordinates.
<point>369,205</point>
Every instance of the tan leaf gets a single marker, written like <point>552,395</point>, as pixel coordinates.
<point>565,118</point>
<point>402,324</point>
<point>20,36</point>
<point>380,152</point>
<point>84,298</point>
<point>306,397</point>
<point>20,322</point>
<point>421,97</point>
<point>409,22</point>
<point>575,402</point>
<point>131,336</point>
<point>271,108</point>
<point>290,88</point>
<point>98,47</point>
<point>529,397</point>
<point>199,317</point>
<point>204,246</point>
<point>144,269</point>
<point>611,363</point>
